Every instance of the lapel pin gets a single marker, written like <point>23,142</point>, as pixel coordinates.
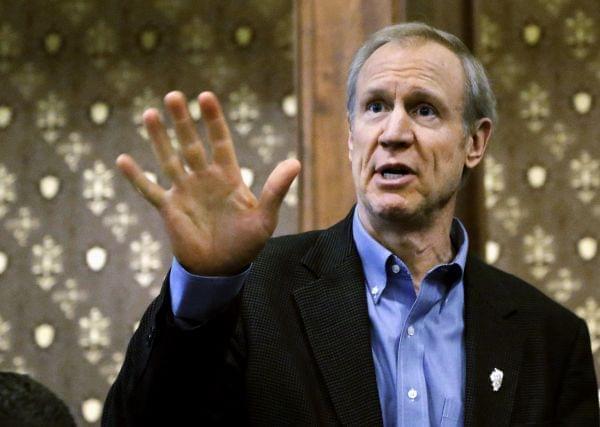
<point>496,378</point>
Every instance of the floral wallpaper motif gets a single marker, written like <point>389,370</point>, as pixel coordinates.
<point>542,175</point>
<point>81,254</point>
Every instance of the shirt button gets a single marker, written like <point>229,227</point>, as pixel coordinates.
<point>412,394</point>
<point>410,331</point>
<point>374,290</point>
<point>395,268</point>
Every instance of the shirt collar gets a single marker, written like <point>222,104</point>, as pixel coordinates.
<point>374,256</point>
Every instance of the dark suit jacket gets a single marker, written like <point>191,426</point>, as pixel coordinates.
<point>294,348</point>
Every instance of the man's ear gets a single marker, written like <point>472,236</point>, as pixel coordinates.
<point>477,142</point>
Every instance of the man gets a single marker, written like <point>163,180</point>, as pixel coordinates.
<point>385,318</point>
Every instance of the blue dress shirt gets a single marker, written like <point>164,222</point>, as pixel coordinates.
<point>417,340</point>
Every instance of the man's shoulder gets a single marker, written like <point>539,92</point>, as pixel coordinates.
<point>278,270</point>
<point>298,241</point>
<point>523,295</point>
<point>292,247</point>
<point>284,251</point>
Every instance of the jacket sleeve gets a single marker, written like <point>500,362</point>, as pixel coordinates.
<point>578,396</point>
<point>174,376</point>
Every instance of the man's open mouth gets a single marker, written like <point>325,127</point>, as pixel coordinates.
<point>395,172</point>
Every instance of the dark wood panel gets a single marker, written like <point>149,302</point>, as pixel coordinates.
<point>454,16</point>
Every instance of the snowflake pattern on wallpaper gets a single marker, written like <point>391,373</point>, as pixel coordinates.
<point>7,190</point>
<point>47,262</point>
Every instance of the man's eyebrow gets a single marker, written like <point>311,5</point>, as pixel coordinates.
<point>376,92</point>
<point>426,95</point>
<point>415,94</point>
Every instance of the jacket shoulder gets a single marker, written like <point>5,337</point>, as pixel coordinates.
<point>521,294</point>
<point>282,254</point>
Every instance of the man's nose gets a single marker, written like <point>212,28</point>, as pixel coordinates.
<point>398,129</point>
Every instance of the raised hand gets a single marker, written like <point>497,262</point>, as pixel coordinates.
<point>215,224</point>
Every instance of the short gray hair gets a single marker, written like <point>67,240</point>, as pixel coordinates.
<point>479,98</point>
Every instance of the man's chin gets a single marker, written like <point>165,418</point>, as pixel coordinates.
<point>402,213</point>
<point>406,210</point>
<point>397,213</point>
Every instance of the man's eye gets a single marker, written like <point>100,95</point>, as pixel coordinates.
<point>425,110</point>
<point>375,107</point>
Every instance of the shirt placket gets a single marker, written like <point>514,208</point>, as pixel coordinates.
<point>412,387</point>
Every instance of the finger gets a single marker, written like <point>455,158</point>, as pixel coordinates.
<point>152,192</point>
<point>218,131</point>
<point>185,128</point>
<point>277,185</point>
<point>167,157</point>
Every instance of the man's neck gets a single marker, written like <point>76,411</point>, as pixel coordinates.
<point>420,248</point>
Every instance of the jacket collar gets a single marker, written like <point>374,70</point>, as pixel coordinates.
<point>493,340</point>
<point>334,311</point>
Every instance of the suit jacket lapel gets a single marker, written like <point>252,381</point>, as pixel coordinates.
<point>334,311</point>
<point>493,341</point>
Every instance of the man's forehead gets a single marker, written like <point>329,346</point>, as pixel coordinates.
<point>419,65</point>
<point>425,58</point>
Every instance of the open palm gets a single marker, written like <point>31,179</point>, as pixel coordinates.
<point>215,224</point>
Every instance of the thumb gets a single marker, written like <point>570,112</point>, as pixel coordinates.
<point>277,185</point>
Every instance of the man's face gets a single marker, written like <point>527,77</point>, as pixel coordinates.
<point>407,143</point>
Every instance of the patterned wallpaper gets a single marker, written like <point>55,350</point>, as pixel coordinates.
<point>81,254</point>
<point>542,171</point>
